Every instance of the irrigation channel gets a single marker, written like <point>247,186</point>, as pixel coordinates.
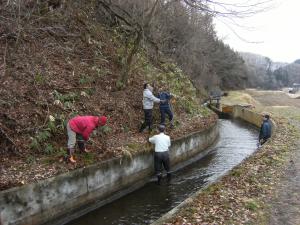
<point>236,142</point>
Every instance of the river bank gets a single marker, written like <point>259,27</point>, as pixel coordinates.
<point>251,192</point>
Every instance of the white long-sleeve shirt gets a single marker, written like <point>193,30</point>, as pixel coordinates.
<point>149,99</point>
<point>162,142</point>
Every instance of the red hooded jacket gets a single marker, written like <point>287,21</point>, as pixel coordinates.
<point>84,125</point>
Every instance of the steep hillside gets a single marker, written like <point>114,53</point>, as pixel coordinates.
<point>58,61</point>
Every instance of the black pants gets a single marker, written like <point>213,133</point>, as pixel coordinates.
<point>161,158</point>
<point>163,112</point>
<point>148,119</point>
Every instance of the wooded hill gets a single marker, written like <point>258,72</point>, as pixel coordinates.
<point>62,58</point>
<point>266,74</point>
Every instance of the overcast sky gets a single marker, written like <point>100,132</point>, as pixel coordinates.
<point>277,32</point>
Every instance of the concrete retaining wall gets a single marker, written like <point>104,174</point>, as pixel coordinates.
<point>249,116</point>
<point>82,189</point>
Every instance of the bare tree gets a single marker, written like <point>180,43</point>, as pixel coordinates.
<point>134,49</point>
<point>230,9</point>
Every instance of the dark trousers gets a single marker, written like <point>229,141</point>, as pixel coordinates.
<point>148,119</point>
<point>161,159</point>
<point>163,112</point>
<point>80,142</point>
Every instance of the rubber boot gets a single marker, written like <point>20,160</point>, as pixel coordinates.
<point>70,155</point>
<point>71,159</point>
<point>159,179</point>
<point>169,176</point>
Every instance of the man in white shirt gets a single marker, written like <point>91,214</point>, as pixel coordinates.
<point>161,156</point>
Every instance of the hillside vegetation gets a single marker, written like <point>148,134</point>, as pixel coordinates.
<point>65,58</point>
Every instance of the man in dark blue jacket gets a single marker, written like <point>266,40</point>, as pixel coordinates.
<point>165,107</point>
<point>265,130</point>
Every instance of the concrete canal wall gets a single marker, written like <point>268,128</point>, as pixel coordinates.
<point>80,190</point>
<point>250,116</point>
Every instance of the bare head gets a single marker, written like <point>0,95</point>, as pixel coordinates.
<point>266,117</point>
<point>161,128</point>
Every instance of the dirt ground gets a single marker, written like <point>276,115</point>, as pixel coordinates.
<point>285,206</point>
<point>274,98</point>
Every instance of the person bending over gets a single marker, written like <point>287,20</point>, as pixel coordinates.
<point>80,128</point>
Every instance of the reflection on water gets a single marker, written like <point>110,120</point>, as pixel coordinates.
<point>237,141</point>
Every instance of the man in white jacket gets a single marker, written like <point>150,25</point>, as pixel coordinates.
<point>161,156</point>
<point>148,102</point>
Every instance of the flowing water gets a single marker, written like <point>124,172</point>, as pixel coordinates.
<point>237,141</point>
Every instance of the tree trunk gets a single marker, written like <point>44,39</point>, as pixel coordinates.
<point>124,75</point>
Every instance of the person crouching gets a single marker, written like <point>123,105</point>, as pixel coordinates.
<point>162,144</point>
<point>80,128</point>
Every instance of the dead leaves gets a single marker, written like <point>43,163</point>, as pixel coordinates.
<point>241,196</point>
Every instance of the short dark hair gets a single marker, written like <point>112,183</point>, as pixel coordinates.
<point>267,116</point>
<point>145,85</point>
<point>161,128</point>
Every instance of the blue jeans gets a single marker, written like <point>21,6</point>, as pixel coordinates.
<point>163,112</point>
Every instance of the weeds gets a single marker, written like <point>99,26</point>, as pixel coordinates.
<point>40,142</point>
<point>88,158</point>
<point>40,79</point>
<point>105,130</point>
<point>85,79</point>
<point>30,159</point>
<point>251,204</point>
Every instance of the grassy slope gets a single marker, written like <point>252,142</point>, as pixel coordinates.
<point>64,64</point>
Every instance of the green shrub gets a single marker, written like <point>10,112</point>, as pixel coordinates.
<point>105,129</point>
<point>49,149</point>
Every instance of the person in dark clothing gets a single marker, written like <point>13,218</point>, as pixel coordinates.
<point>265,130</point>
<point>165,107</point>
<point>162,144</point>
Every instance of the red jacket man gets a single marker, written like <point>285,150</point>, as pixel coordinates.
<point>82,127</point>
